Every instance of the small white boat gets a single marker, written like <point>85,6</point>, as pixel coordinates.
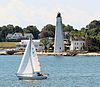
<point>29,68</point>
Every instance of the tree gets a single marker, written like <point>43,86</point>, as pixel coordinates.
<point>48,31</point>
<point>93,24</point>
<point>33,30</point>
<point>4,33</point>
<point>83,29</point>
<point>45,42</point>
<point>77,33</point>
<point>88,43</point>
<point>67,28</point>
<point>10,29</point>
<point>18,29</point>
<point>49,27</point>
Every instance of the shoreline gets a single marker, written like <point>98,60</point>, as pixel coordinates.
<point>63,54</point>
<point>89,54</point>
<point>56,54</point>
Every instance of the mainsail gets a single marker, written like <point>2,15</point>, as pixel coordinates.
<point>29,63</point>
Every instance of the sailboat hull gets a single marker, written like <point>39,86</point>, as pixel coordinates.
<point>35,77</point>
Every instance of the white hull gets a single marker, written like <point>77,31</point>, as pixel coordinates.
<point>34,77</point>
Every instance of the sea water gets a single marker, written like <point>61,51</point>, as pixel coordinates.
<point>64,71</point>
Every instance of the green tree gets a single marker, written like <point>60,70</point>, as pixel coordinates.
<point>77,33</point>
<point>45,42</point>
<point>47,31</point>
<point>4,33</point>
<point>33,30</point>
<point>18,29</point>
<point>67,28</point>
<point>93,24</point>
<point>10,29</point>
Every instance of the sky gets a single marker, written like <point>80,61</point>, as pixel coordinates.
<point>77,13</point>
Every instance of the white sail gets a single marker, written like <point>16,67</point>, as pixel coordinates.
<point>35,62</point>
<point>29,63</point>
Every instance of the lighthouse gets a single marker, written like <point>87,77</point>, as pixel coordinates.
<point>59,40</point>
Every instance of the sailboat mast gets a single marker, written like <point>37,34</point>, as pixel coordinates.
<point>31,53</point>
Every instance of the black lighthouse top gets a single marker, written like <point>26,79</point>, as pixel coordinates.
<point>58,15</point>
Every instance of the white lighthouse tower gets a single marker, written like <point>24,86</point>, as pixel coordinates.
<point>59,42</point>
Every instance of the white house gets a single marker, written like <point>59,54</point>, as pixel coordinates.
<point>14,36</point>
<point>9,36</point>
<point>19,36</point>
<point>77,43</point>
<point>27,35</point>
<point>22,45</point>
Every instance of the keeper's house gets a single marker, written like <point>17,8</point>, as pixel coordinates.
<point>77,43</point>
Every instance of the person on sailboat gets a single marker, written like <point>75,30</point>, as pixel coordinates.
<point>39,74</point>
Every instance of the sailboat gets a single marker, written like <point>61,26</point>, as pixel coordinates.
<point>29,68</point>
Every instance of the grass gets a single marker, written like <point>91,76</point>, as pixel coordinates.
<point>7,44</point>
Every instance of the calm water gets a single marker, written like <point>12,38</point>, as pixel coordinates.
<point>78,71</point>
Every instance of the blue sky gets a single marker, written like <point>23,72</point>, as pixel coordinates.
<point>77,13</point>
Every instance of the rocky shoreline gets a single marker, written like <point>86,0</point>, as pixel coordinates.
<point>67,54</point>
<point>52,54</point>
